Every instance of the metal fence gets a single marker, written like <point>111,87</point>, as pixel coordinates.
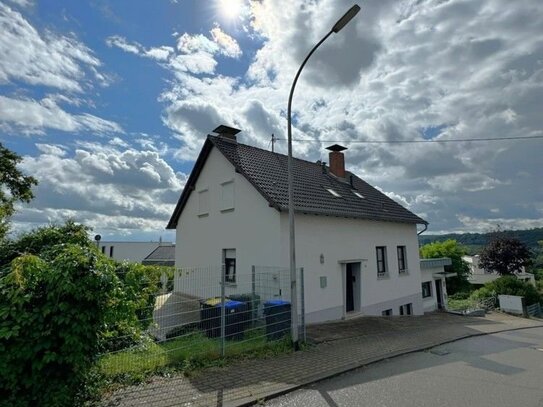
<point>534,310</point>
<point>206,314</point>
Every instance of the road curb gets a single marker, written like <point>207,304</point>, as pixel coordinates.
<point>250,401</point>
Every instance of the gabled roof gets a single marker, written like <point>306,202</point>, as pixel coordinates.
<point>267,172</point>
<point>162,255</point>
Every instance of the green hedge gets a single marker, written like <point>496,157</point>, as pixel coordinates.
<point>51,312</point>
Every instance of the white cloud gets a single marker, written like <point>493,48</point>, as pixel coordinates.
<point>104,187</point>
<point>45,58</point>
<point>228,46</point>
<point>34,117</point>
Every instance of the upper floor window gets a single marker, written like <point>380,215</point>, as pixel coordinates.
<point>402,261</point>
<point>203,202</point>
<point>381,252</point>
<point>227,195</point>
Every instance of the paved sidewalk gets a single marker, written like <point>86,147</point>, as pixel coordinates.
<point>340,346</point>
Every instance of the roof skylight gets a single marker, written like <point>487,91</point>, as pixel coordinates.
<point>333,192</point>
<point>358,194</point>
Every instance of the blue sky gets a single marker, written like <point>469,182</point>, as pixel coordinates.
<point>109,102</point>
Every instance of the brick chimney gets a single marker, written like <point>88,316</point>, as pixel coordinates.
<point>337,160</point>
<point>227,132</point>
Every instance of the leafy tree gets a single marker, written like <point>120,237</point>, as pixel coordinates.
<point>42,239</point>
<point>537,261</point>
<point>504,255</point>
<point>14,187</point>
<point>452,249</point>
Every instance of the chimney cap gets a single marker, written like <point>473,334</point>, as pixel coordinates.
<point>222,129</point>
<point>336,147</point>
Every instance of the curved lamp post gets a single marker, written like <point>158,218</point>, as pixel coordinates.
<point>342,22</point>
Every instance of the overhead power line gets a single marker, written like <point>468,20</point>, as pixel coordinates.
<point>415,141</point>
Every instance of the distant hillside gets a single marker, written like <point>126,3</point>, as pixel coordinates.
<point>475,241</point>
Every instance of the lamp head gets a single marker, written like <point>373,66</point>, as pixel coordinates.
<point>348,16</point>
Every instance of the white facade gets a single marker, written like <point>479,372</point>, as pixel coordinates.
<point>224,211</point>
<point>479,276</point>
<point>434,287</point>
<point>133,252</point>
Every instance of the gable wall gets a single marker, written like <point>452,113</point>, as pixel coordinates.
<point>252,227</point>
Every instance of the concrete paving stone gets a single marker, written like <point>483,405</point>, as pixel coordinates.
<point>340,346</point>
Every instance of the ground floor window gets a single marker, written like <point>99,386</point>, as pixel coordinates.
<point>426,289</point>
<point>406,309</point>
<point>387,313</point>
<point>229,256</point>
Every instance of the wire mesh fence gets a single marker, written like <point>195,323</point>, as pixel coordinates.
<point>201,313</point>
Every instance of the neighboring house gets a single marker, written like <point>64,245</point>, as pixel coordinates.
<point>359,248</point>
<point>479,276</point>
<point>162,256</point>
<point>434,288</point>
<point>133,252</point>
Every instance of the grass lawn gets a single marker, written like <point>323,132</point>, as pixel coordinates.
<point>184,353</point>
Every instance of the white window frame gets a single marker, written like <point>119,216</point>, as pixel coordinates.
<point>201,210</point>
<point>227,206</point>
<point>384,273</point>
<point>401,270</point>
<point>230,266</point>
<point>429,289</point>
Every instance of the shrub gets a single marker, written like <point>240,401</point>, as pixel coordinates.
<point>461,295</point>
<point>130,310</point>
<point>508,285</point>
<point>43,239</point>
<point>51,312</point>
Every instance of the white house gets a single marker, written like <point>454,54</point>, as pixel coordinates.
<point>434,288</point>
<point>134,252</point>
<point>359,248</point>
<point>479,276</point>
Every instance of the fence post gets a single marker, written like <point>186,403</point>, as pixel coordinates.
<point>302,300</point>
<point>253,295</point>
<point>223,310</point>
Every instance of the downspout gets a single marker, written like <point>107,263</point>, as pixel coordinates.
<point>423,230</point>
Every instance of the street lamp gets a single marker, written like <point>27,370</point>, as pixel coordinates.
<point>342,22</point>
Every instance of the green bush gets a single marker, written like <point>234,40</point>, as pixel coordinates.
<point>461,295</point>
<point>42,239</point>
<point>508,285</point>
<point>131,309</point>
<point>51,313</point>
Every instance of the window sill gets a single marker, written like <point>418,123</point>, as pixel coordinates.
<point>403,273</point>
<point>230,284</point>
<point>203,215</point>
<point>385,276</point>
<point>225,210</point>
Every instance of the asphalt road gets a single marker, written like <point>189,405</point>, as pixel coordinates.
<point>504,369</point>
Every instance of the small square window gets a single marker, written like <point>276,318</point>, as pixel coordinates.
<point>426,289</point>
<point>334,193</point>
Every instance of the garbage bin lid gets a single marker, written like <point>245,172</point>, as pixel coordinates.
<point>213,301</point>
<point>275,303</point>
<point>232,304</point>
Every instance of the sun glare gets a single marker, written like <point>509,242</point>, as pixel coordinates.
<point>230,9</point>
